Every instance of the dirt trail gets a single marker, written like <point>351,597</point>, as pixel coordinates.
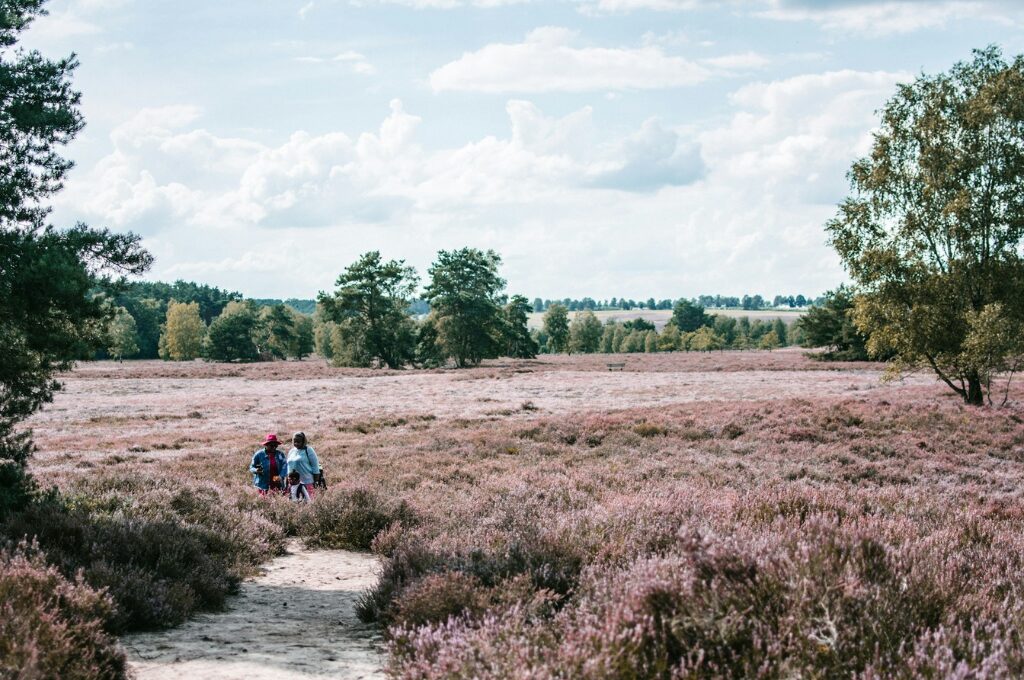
<point>316,635</point>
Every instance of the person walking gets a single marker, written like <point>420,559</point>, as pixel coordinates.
<point>302,459</point>
<point>268,467</point>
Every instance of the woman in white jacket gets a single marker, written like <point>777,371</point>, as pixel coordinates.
<point>302,459</point>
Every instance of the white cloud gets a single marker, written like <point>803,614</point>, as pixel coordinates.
<point>306,9</point>
<point>72,19</point>
<point>162,162</point>
<point>745,61</point>
<point>800,132</point>
<point>881,17</point>
<point>724,207</point>
<point>872,17</point>
<point>439,4</point>
<point>548,61</point>
<point>613,6</point>
<point>355,61</point>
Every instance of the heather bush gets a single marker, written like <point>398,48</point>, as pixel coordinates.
<point>161,553</point>
<point>51,626</point>
<point>869,532</point>
<point>349,518</point>
<point>437,597</point>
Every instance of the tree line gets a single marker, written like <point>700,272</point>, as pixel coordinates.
<point>689,329</point>
<point>376,317</point>
<point>747,302</point>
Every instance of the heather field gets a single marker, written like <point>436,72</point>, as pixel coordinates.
<point>735,514</point>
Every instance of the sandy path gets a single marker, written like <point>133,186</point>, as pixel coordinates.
<point>316,635</point>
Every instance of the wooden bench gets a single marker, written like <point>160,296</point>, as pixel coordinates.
<point>616,367</point>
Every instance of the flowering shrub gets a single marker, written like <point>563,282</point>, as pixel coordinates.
<point>160,553</point>
<point>348,518</point>
<point>50,626</point>
<point>806,522</point>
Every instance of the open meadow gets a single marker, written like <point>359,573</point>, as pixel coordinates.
<point>732,514</point>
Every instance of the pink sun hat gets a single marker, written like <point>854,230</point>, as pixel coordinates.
<point>271,439</point>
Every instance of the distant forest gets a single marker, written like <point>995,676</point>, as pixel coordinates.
<point>747,302</point>
<point>147,302</point>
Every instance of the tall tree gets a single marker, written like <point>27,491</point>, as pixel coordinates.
<point>121,342</point>
<point>464,293</point>
<point>49,310</point>
<point>234,335</point>
<point>932,231</point>
<point>275,332</point>
<point>371,307</point>
<point>516,334</point>
<point>781,332</point>
<point>585,333</point>
<point>184,332</point>
<point>556,325</point>
<point>688,316</point>
<point>303,343</point>
<point>830,325</point>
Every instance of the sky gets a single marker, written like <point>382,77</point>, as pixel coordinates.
<point>636,148</point>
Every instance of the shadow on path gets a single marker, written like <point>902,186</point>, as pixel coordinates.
<point>297,620</point>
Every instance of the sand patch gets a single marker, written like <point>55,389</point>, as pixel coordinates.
<point>297,620</point>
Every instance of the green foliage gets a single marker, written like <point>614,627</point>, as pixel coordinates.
<point>704,339</point>
<point>638,325</point>
<point>608,338</point>
<point>464,294</point>
<point>294,304</point>
<point>831,325</point>
<point>688,316</point>
<point>781,331</point>
<point>726,327</point>
<point>49,310</point>
<point>429,352</point>
<point>932,233</point>
<point>233,335</point>
<point>993,345</point>
<point>370,307</point>
<point>147,302</point>
<point>651,341</point>
<point>275,333</point>
<point>516,334</point>
<point>184,332</point>
<point>322,331</point>
<point>302,344</point>
<point>121,333</point>
<point>670,339</point>
<point>556,325</point>
<point>769,341</point>
<point>585,333</point>
<point>149,315</point>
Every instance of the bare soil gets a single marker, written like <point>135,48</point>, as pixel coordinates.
<point>297,620</point>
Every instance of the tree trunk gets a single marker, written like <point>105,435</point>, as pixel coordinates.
<point>975,396</point>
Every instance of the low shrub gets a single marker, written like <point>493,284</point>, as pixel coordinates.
<point>437,597</point>
<point>160,553</point>
<point>53,627</point>
<point>349,518</point>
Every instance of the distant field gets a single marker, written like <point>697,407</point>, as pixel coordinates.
<point>660,317</point>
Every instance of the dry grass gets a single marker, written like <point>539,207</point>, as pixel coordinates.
<point>734,514</point>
